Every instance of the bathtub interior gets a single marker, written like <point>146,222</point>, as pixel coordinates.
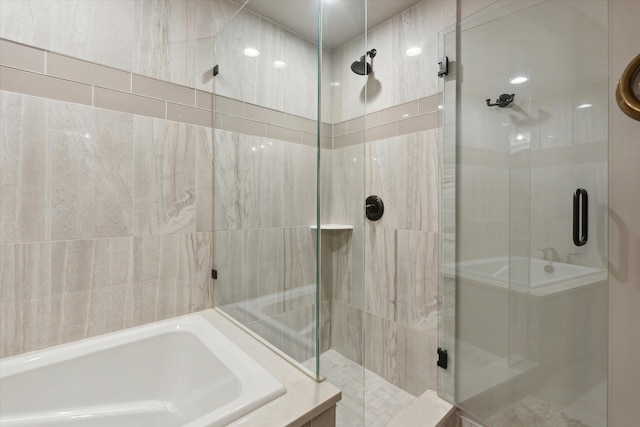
<point>174,377</point>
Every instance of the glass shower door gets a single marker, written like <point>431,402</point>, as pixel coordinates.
<point>530,268</point>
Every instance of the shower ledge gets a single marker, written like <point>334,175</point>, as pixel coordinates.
<point>333,227</point>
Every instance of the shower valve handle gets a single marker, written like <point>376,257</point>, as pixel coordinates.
<point>374,208</point>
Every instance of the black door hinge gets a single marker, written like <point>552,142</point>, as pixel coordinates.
<point>443,66</point>
<point>214,274</point>
<point>215,70</point>
<point>443,359</point>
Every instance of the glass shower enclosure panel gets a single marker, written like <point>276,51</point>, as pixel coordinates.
<point>265,206</point>
<point>530,267</point>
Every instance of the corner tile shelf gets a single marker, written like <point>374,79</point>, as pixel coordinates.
<point>333,227</point>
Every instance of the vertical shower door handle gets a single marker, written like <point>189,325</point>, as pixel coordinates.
<point>580,217</point>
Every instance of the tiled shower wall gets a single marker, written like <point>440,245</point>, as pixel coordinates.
<point>105,175</point>
<point>162,189</point>
<point>265,155</point>
<point>389,292</point>
<point>292,89</point>
<point>167,40</point>
<point>100,224</point>
<point>391,152</point>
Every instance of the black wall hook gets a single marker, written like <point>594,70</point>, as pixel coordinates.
<point>502,101</point>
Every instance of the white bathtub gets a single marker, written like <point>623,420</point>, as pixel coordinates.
<point>179,372</point>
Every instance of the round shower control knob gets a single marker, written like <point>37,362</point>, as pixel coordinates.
<point>374,208</point>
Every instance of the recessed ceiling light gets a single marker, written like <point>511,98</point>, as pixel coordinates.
<point>251,52</point>
<point>518,80</point>
<point>581,106</point>
<point>413,51</point>
<point>279,64</point>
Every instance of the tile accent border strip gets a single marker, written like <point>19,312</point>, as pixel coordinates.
<point>402,119</point>
<point>250,119</point>
<point>32,71</point>
<point>37,72</point>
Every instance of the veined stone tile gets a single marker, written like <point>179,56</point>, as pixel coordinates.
<point>326,186</point>
<point>381,347</point>
<point>92,172</point>
<point>347,265</point>
<point>300,268</point>
<point>347,331</point>
<point>164,271</point>
<point>165,177</point>
<point>23,23</point>
<point>381,294</point>
<point>24,274</point>
<point>264,261</point>
<point>112,34</point>
<point>228,181</point>
<point>416,275</point>
<point>24,169</point>
<point>230,287</point>
<point>89,265</point>
<point>161,51</point>
<point>348,185</point>
<point>203,139</point>
<point>12,331</point>
<point>403,171</point>
<point>299,184</point>
<point>416,356</point>
<point>261,169</point>
<point>202,290</point>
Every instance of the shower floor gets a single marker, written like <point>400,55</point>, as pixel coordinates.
<point>382,400</point>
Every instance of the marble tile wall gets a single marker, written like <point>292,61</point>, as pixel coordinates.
<point>264,246</point>
<point>167,40</point>
<point>385,142</point>
<point>293,88</point>
<point>269,188</point>
<point>154,191</point>
<point>99,227</point>
<point>389,324</point>
<point>258,233</point>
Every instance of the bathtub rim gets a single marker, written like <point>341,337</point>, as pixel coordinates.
<point>259,385</point>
